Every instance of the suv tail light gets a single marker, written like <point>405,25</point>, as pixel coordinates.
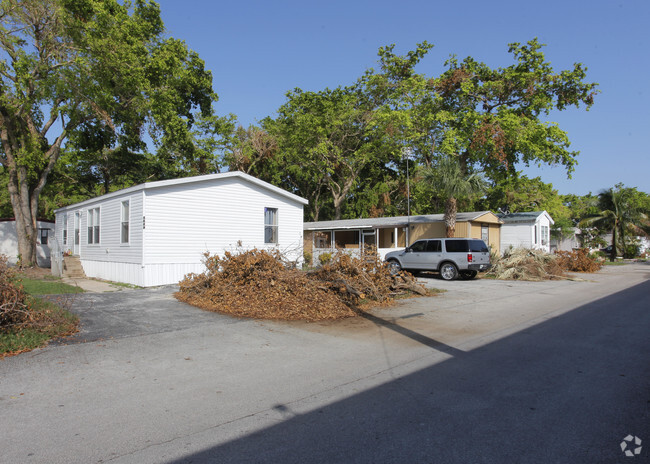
<point>469,257</point>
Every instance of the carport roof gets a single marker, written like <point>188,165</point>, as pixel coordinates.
<point>398,221</point>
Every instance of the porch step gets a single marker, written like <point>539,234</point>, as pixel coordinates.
<point>72,268</point>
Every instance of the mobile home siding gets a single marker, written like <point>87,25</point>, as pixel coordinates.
<point>173,223</point>
<point>182,223</point>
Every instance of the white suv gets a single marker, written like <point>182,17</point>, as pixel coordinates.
<point>451,257</point>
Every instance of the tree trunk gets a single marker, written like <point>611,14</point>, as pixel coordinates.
<point>612,254</point>
<point>450,217</point>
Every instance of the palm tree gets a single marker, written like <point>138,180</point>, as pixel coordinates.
<point>621,215</point>
<point>447,176</point>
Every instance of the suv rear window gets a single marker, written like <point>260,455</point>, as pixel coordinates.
<point>478,246</point>
<point>456,246</point>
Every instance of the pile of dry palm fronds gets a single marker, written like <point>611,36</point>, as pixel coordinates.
<point>256,284</point>
<point>526,264</point>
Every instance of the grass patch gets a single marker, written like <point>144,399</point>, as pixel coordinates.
<point>615,263</point>
<point>47,287</point>
<point>48,321</point>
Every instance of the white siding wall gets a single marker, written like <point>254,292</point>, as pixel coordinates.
<point>129,273</point>
<point>9,242</point>
<point>184,221</point>
<point>526,235</point>
<point>181,222</point>
<point>109,248</point>
<point>109,259</point>
<point>516,236</point>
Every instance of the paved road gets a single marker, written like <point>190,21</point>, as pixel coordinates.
<point>487,372</point>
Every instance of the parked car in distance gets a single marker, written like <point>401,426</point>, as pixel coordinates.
<point>451,257</point>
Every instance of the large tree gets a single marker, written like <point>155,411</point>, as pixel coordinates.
<point>489,120</point>
<point>327,138</point>
<point>100,68</point>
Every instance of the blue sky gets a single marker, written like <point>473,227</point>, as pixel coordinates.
<point>258,50</point>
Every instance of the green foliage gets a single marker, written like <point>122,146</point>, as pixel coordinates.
<point>343,149</point>
<point>325,258</point>
<point>452,184</point>
<point>624,212</point>
<point>520,194</point>
<point>103,74</point>
<point>49,320</point>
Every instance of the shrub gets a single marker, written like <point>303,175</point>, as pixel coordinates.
<point>325,258</point>
<point>578,261</point>
<point>307,256</point>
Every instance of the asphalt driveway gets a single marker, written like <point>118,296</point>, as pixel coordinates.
<point>488,372</point>
<point>132,313</point>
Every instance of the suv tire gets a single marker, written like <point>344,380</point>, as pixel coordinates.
<point>448,271</point>
<point>394,267</point>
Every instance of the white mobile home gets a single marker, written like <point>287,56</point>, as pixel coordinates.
<point>156,233</point>
<point>526,230</point>
<point>9,241</point>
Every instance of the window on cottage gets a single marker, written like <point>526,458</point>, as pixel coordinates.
<point>544,235</point>
<point>323,239</point>
<point>124,231</point>
<point>65,229</point>
<point>93,226</point>
<point>44,235</point>
<point>270,225</point>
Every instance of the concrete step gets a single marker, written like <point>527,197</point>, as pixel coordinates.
<point>72,267</point>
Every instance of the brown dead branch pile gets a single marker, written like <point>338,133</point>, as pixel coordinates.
<point>14,310</point>
<point>578,261</point>
<point>525,264</point>
<point>256,284</point>
<point>363,278</point>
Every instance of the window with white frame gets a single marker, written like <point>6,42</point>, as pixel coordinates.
<point>65,229</point>
<point>545,235</point>
<point>485,233</point>
<point>124,230</point>
<point>93,226</point>
<point>270,225</point>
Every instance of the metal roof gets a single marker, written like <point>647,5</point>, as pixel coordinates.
<point>398,221</point>
<point>530,216</point>
<point>189,180</point>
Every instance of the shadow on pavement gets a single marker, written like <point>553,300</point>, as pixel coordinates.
<point>566,390</point>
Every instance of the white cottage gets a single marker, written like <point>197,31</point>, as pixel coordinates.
<point>156,233</point>
<point>526,230</point>
<point>9,241</point>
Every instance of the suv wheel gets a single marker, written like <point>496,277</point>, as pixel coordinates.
<point>448,271</point>
<point>394,267</point>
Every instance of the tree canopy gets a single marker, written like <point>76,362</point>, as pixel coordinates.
<point>98,74</point>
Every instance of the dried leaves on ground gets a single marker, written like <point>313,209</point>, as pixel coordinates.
<point>257,284</point>
<point>578,261</point>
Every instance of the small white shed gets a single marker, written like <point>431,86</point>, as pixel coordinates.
<point>9,241</point>
<point>526,230</point>
<point>156,233</point>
